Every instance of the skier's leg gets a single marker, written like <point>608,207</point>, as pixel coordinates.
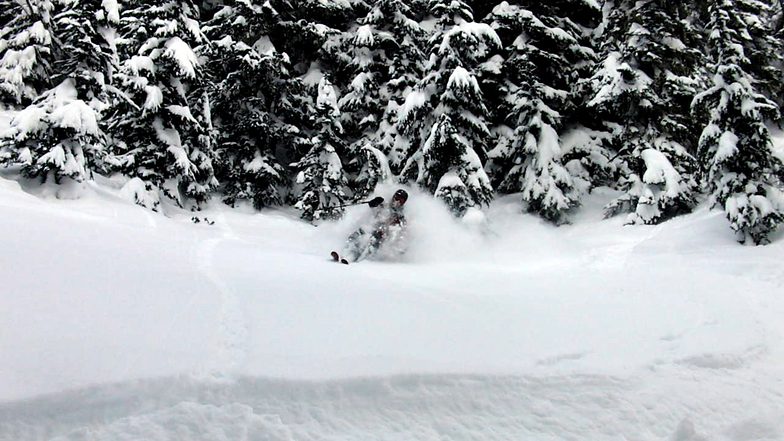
<point>374,243</point>
<point>354,244</point>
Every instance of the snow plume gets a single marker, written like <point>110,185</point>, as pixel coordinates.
<point>535,333</point>
<point>434,234</point>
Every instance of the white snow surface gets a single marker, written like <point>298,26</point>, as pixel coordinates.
<point>119,323</point>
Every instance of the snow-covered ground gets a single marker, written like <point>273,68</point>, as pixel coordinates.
<point>117,323</point>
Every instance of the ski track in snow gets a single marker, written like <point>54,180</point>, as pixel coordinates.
<point>233,327</point>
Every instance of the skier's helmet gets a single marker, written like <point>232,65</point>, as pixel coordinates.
<point>401,196</point>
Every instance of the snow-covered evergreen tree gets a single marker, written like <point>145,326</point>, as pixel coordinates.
<point>26,50</point>
<point>655,190</point>
<point>252,90</point>
<point>362,105</point>
<point>403,57</point>
<point>161,129</point>
<point>444,117</point>
<point>547,187</point>
<point>337,14</point>
<point>449,168</point>
<point>641,94</point>
<point>56,137</point>
<point>59,136</point>
<point>539,72</point>
<point>361,102</point>
<point>385,49</point>
<point>384,61</point>
<point>763,51</point>
<point>735,148</point>
<point>321,181</point>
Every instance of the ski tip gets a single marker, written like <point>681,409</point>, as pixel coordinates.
<point>344,261</point>
<point>335,256</point>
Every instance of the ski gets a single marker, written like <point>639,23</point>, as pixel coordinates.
<point>336,258</point>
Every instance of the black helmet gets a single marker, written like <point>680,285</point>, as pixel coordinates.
<point>401,195</point>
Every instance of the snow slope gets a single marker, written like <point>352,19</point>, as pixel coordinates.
<point>119,323</point>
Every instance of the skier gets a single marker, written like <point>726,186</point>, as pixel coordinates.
<point>388,227</point>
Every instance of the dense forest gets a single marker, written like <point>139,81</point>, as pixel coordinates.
<point>312,103</point>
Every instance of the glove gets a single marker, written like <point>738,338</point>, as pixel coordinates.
<point>376,202</point>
